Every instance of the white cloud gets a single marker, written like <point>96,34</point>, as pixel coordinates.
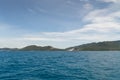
<point>70,2</point>
<point>43,39</point>
<point>102,26</point>
<point>90,32</point>
<point>115,1</point>
<point>88,6</point>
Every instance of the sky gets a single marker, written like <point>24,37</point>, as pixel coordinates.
<point>59,23</point>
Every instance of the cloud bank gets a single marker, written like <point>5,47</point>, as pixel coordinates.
<point>103,24</point>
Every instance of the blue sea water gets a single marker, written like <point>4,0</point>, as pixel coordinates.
<point>59,65</point>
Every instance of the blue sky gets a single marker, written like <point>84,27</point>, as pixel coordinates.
<point>60,23</point>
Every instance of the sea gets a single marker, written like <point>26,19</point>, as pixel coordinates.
<point>59,65</point>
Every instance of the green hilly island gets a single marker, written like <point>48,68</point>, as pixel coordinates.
<point>99,46</point>
<point>39,48</point>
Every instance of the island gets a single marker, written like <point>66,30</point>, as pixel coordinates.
<point>40,48</point>
<point>99,46</point>
<point>96,46</point>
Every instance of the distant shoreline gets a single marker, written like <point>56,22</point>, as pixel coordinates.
<point>100,46</point>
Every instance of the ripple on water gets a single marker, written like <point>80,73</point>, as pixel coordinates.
<point>56,65</point>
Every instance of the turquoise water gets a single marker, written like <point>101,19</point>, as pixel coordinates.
<point>46,65</point>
